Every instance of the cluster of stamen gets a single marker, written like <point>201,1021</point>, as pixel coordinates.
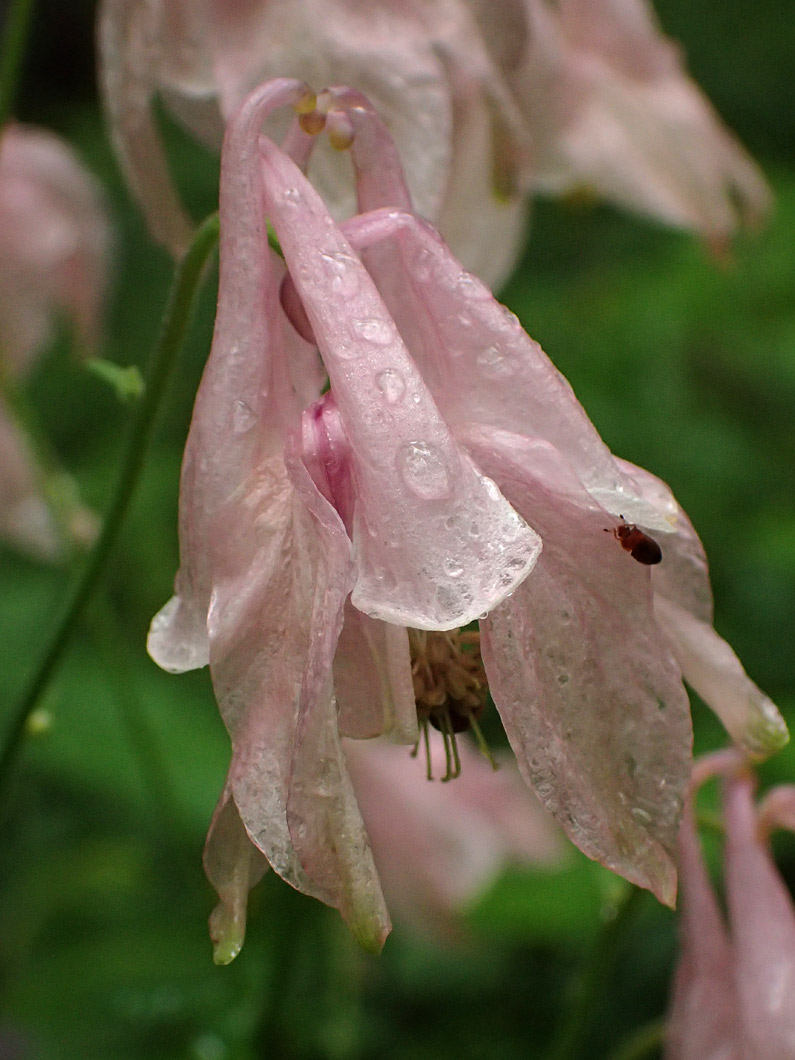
<point>450,690</point>
<point>316,113</point>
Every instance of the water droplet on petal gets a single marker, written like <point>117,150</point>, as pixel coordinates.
<point>641,816</point>
<point>471,287</point>
<point>292,197</point>
<point>452,568</point>
<point>474,529</point>
<point>342,268</point>
<point>390,383</point>
<point>378,331</point>
<point>493,363</point>
<point>423,469</point>
<point>243,417</point>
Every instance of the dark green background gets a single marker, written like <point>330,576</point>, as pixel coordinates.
<point>685,365</point>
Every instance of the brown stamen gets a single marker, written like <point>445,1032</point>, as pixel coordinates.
<point>450,689</point>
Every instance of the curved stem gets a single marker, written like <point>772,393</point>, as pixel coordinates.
<point>186,282</point>
<point>568,1043</point>
<point>16,31</point>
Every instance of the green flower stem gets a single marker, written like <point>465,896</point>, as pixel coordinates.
<point>13,46</point>
<point>594,975</point>
<point>175,323</point>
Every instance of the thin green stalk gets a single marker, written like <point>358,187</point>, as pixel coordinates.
<point>13,46</point>
<point>568,1044</point>
<point>175,323</point>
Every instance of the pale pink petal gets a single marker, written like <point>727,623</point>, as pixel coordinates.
<point>129,45</point>
<point>763,928</point>
<point>712,669</point>
<point>384,51</point>
<point>234,446</point>
<point>777,809</point>
<point>591,699</point>
<point>54,244</point>
<point>683,606</point>
<point>372,679</point>
<point>704,1018</point>
<point>233,866</point>
<point>683,576</point>
<point>617,114</point>
<point>480,364</point>
<point>322,813</point>
<point>26,521</point>
<point>416,565</point>
<point>439,846</point>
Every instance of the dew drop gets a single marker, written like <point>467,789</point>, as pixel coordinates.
<point>390,383</point>
<point>641,816</point>
<point>423,469</point>
<point>452,568</point>
<point>474,530</point>
<point>493,363</point>
<point>471,287</point>
<point>342,270</point>
<point>374,330</point>
<point>292,197</point>
<point>243,417</point>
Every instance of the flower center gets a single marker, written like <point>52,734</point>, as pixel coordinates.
<point>450,689</point>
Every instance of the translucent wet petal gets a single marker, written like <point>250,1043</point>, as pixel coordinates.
<point>763,929</point>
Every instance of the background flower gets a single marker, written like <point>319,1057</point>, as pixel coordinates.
<point>487,102</point>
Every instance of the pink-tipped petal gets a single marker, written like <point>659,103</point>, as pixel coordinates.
<point>416,563</point>
<point>711,668</point>
<point>589,694</point>
<point>763,926</point>
<point>704,1021</point>
<point>232,448</point>
<point>233,866</point>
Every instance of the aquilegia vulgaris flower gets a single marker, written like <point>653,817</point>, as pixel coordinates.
<point>487,100</point>
<point>734,989</point>
<point>334,541</point>
<point>54,251</point>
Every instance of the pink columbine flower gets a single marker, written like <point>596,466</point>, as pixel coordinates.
<point>613,112</point>
<point>334,544</point>
<point>487,103</point>
<point>54,249</point>
<point>438,847</point>
<point>734,987</point>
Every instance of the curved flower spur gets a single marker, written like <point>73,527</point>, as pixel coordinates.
<point>401,499</point>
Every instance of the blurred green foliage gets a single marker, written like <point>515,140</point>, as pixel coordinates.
<point>686,365</point>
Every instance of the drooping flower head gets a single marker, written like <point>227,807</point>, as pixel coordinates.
<point>54,251</point>
<point>487,102</point>
<point>734,986</point>
<point>332,543</point>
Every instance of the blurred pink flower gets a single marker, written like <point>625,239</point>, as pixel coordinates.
<point>54,244</point>
<point>487,100</point>
<point>315,529</point>
<point>54,251</point>
<point>734,989</point>
<point>438,847</point>
<point>612,112</point>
